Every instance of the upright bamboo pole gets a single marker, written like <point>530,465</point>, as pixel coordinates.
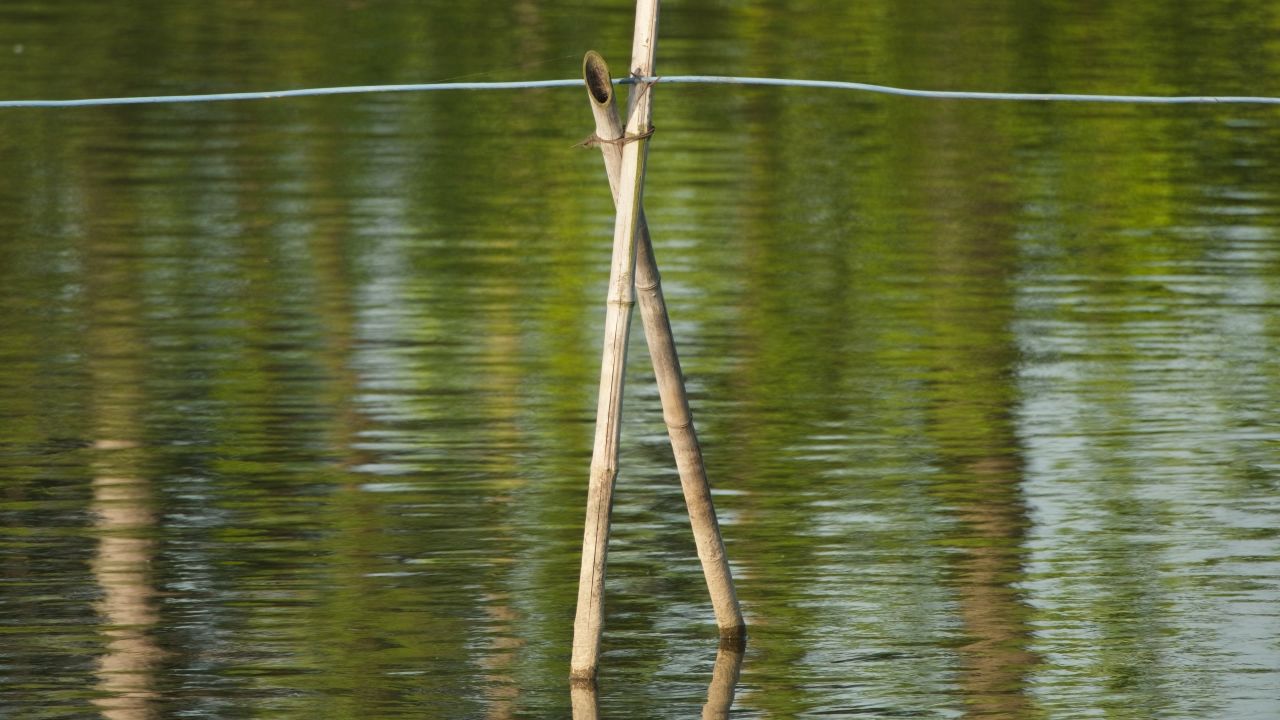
<point>666,366</point>
<point>588,623</point>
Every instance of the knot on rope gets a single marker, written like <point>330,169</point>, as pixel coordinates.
<point>594,140</point>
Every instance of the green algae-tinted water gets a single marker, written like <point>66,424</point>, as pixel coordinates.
<point>296,397</point>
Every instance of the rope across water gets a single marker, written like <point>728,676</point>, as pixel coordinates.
<point>665,79</point>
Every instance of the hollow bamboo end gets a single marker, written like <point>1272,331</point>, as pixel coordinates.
<point>595,72</point>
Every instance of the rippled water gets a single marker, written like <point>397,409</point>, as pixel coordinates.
<point>296,397</point>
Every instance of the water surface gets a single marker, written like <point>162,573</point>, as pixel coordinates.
<point>296,397</point>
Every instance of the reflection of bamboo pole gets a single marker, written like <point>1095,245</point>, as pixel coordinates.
<point>585,699</point>
<point>124,520</point>
<point>666,366</point>
<point>588,623</point>
<point>724,679</point>
<point>997,661</point>
<point>121,567</point>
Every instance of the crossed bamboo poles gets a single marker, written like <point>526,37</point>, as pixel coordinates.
<point>634,272</point>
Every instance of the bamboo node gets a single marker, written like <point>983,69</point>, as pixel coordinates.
<point>594,140</point>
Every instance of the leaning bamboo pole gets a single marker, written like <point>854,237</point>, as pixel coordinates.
<point>588,623</point>
<point>666,365</point>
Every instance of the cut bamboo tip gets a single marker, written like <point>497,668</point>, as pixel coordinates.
<point>596,74</point>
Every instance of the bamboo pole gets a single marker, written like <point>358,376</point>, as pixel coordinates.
<point>666,366</point>
<point>588,623</point>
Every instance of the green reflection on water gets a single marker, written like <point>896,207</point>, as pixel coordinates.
<point>296,396</point>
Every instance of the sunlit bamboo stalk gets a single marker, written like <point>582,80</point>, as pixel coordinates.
<point>588,623</point>
<point>666,366</point>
